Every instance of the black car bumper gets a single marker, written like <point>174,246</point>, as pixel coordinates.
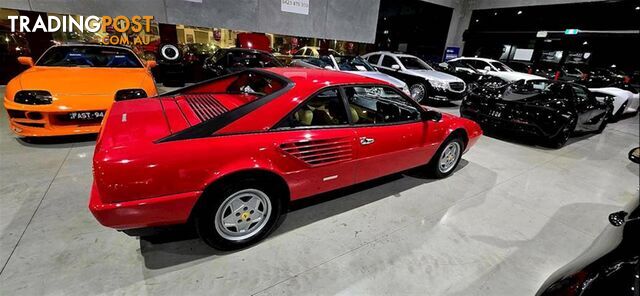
<point>446,95</point>
<point>496,121</point>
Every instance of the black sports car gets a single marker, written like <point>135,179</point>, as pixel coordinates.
<point>550,110</point>
<point>611,266</point>
<point>231,60</point>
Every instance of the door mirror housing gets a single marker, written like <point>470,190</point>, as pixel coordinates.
<point>151,64</point>
<point>431,115</point>
<point>395,67</point>
<point>27,61</point>
<point>444,65</point>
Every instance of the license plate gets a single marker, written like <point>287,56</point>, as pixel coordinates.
<point>86,116</point>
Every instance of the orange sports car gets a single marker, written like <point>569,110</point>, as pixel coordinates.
<point>71,87</point>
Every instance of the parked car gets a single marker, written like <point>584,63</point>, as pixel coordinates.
<point>460,69</point>
<point>71,87</point>
<point>312,52</point>
<point>243,145</point>
<point>424,82</point>
<point>610,265</point>
<point>625,101</point>
<point>352,64</point>
<point>550,110</point>
<point>231,60</point>
<point>496,68</point>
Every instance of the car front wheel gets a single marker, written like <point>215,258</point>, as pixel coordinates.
<point>238,215</point>
<point>418,92</point>
<point>446,159</point>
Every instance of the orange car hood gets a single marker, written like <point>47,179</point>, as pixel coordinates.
<point>81,81</point>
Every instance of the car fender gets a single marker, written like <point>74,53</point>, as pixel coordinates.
<point>243,165</point>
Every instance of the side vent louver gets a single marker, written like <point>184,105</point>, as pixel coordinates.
<point>320,152</point>
<point>205,106</point>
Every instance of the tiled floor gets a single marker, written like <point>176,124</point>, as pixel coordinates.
<point>510,216</point>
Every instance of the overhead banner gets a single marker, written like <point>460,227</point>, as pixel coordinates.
<point>295,6</point>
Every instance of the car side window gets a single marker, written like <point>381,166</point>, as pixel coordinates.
<point>324,109</point>
<point>373,59</point>
<point>388,61</point>
<point>299,52</point>
<point>379,105</point>
<point>580,94</point>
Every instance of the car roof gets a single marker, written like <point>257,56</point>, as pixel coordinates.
<point>475,58</point>
<point>321,77</point>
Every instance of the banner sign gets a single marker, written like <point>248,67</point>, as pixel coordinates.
<point>451,53</point>
<point>295,6</point>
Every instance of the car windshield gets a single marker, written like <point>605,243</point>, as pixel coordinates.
<point>89,56</point>
<point>413,63</point>
<point>353,64</point>
<point>249,59</point>
<point>501,67</point>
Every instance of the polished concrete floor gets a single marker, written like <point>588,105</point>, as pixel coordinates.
<point>510,215</point>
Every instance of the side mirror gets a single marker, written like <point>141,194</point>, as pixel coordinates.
<point>27,61</point>
<point>634,155</point>
<point>328,67</point>
<point>444,65</point>
<point>431,115</point>
<point>151,64</point>
<point>487,68</point>
<point>395,67</point>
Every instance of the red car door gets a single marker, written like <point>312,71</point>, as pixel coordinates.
<point>391,135</point>
<point>318,145</point>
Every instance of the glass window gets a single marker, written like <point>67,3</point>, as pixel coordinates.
<point>414,63</point>
<point>373,59</point>
<point>379,105</point>
<point>353,64</point>
<point>581,94</point>
<point>308,52</point>
<point>501,67</point>
<point>324,109</point>
<point>89,56</point>
<point>388,61</point>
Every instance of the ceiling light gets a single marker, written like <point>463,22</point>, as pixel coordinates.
<point>519,12</point>
<point>477,20</point>
<point>495,13</point>
<point>637,7</point>
<point>585,43</point>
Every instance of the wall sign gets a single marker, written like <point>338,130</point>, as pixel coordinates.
<point>451,53</point>
<point>295,6</point>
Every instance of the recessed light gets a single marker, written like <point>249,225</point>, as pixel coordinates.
<point>519,12</point>
<point>477,20</point>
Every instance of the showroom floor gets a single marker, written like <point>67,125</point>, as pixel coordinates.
<point>511,215</point>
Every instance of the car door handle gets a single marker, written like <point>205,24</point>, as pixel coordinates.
<point>366,141</point>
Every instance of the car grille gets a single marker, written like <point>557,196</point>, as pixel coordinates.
<point>456,86</point>
<point>320,152</point>
<point>205,106</point>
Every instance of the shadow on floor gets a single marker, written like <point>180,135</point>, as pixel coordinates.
<point>530,141</point>
<point>180,244</point>
<point>54,142</point>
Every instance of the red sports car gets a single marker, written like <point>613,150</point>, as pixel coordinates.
<point>229,154</point>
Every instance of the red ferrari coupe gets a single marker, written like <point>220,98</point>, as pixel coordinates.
<point>229,154</point>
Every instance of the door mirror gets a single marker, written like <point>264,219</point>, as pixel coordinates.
<point>431,115</point>
<point>444,65</point>
<point>27,61</point>
<point>328,67</point>
<point>634,155</point>
<point>487,68</point>
<point>395,67</point>
<point>151,64</point>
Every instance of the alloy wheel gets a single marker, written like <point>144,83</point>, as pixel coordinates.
<point>243,214</point>
<point>418,92</point>
<point>449,157</point>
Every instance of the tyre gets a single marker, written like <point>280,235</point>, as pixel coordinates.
<point>561,138</point>
<point>446,159</point>
<point>238,215</point>
<point>418,92</point>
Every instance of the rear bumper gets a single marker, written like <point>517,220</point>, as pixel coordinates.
<point>156,211</point>
<point>521,127</point>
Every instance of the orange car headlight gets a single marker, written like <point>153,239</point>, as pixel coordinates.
<point>33,97</point>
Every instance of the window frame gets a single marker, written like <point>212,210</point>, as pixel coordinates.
<point>396,61</point>
<point>341,91</point>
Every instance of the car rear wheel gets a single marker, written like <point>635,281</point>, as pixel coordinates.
<point>238,215</point>
<point>446,159</point>
<point>561,138</point>
<point>418,92</point>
